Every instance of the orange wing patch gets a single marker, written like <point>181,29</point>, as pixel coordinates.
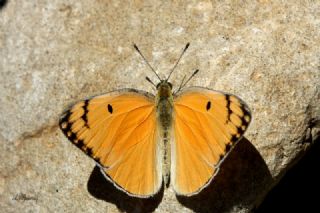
<point>207,124</point>
<point>117,130</point>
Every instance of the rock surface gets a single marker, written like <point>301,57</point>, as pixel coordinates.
<point>53,53</point>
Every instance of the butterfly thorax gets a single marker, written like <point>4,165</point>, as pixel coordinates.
<point>164,103</point>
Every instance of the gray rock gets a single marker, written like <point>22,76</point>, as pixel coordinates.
<point>53,54</point>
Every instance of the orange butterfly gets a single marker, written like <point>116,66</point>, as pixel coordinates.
<point>139,139</point>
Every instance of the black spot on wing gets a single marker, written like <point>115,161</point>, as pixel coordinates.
<point>65,125</point>
<point>85,113</point>
<point>221,157</point>
<point>72,137</point>
<point>228,107</point>
<point>89,151</point>
<point>208,105</point>
<point>234,139</point>
<point>228,147</point>
<point>97,159</point>
<point>80,144</point>
<point>110,109</point>
<point>240,130</point>
<point>243,121</point>
<point>64,122</point>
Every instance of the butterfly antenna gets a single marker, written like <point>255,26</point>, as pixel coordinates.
<point>180,86</point>
<point>184,83</point>
<point>137,49</point>
<point>184,50</point>
<point>149,80</point>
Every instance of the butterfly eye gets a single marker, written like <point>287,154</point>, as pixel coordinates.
<point>158,85</point>
<point>170,85</point>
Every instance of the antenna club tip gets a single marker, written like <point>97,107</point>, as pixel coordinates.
<point>187,45</point>
<point>135,46</point>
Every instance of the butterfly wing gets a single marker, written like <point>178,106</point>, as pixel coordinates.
<point>207,124</point>
<point>118,130</point>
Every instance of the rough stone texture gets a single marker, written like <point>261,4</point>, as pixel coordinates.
<point>53,53</point>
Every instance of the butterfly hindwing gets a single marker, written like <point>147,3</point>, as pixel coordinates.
<point>119,131</point>
<point>206,125</point>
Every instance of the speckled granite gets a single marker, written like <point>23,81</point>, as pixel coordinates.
<point>53,53</point>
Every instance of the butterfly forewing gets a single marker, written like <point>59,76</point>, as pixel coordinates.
<point>207,124</point>
<point>119,131</point>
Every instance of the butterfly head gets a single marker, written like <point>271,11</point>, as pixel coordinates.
<point>164,88</point>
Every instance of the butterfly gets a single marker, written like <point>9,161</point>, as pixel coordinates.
<point>141,141</point>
